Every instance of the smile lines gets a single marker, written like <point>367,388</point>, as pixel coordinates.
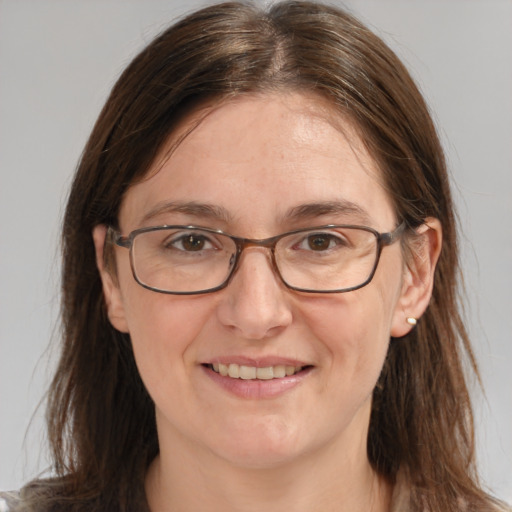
<point>236,371</point>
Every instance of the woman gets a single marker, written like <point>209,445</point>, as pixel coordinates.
<point>259,283</point>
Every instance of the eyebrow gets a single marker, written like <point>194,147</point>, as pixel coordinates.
<point>203,210</point>
<point>296,214</point>
<point>319,209</point>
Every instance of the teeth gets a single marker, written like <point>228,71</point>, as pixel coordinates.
<point>236,371</point>
<point>246,372</point>
<point>290,370</point>
<point>266,373</point>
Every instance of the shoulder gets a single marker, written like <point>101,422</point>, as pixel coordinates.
<point>503,507</point>
<point>9,501</point>
<point>401,500</point>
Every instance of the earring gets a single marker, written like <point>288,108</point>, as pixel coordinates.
<point>411,320</point>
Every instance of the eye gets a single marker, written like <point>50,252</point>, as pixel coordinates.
<point>190,242</point>
<point>320,242</point>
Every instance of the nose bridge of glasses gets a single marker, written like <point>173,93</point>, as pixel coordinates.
<point>251,245</point>
<point>268,243</point>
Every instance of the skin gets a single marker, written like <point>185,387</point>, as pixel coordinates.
<point>258,158</point>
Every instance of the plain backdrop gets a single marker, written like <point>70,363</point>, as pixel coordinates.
<point>58,60</point>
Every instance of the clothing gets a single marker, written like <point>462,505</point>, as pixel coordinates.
<point>8,501</point>
<point>401,495</point>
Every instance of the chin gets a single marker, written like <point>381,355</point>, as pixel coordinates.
<point>264,444</point>
<point>260,459</point>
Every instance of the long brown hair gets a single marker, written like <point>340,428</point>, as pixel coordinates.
<point>100,418</point>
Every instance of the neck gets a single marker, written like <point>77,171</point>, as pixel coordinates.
<point>330,480</point>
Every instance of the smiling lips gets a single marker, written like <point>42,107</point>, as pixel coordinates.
<point>236,371</point>
<point>256,379</point>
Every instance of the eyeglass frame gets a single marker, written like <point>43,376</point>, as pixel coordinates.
<point>241,243</point>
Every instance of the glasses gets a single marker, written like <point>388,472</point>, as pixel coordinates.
<point>187,260</point>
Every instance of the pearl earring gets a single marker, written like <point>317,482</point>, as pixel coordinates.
<point>411,320</point>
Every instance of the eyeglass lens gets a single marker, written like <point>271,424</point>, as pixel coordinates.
<point>193,260</point>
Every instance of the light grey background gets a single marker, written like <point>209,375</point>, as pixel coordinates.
<point>58,60</point>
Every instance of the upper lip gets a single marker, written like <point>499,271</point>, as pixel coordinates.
<point>258,362</point>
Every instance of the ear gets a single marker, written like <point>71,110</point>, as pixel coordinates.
<point>418,279</point>
<point>111,291</point>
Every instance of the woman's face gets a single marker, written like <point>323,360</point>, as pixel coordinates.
<point>256,167</point>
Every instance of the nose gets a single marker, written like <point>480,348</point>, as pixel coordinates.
<point>255,304</point>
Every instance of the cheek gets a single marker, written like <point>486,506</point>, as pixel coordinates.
<point>162,330</point>
<point>356,314</point>
<point>353,345</point>
<point>354,329</point>
<point>158,323</point>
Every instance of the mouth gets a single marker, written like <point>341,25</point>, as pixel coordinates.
<point>236,371</point>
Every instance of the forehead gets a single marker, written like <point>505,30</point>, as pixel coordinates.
<point>259,157</point>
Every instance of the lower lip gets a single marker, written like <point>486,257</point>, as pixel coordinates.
<point>257,389</point>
